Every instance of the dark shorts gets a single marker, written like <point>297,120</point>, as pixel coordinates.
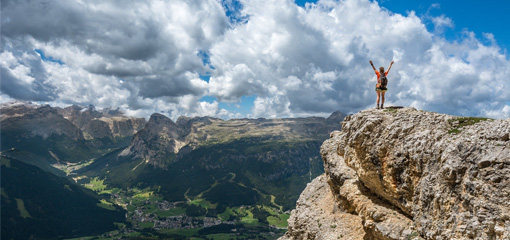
<point>381,89</point>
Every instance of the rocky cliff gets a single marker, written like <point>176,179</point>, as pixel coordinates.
<point>25,120</point>
<point>158,142</point>
<point>106,123</point>
<point>41,134</point>
<point>409,174</point>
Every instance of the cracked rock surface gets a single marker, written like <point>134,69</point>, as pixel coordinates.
<point>409,174</point>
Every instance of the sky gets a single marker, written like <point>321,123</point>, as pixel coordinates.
<point>251,59</point>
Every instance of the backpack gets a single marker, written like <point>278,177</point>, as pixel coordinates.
<point>384,80</point>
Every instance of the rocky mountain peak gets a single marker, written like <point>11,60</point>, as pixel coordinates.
<point>335,116</point>
<point>25,120</point>
<point>63,134</point>
<point>409,174</point>
<point>162,125</point>
<point>157,142</point>
<point>158,118</point>
<point>102,124</point>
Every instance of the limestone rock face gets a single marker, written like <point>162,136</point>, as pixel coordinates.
<point>157,141</point>
<point>26,121</point>
<point>411,174</point>
<point>106,123</point>
<point>316,217</point>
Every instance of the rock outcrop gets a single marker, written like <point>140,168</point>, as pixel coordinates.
<point>409,174</point>
<point>102,124</point>
<point>158,142</point>
<point>26,121</point>
<point>41,134</point>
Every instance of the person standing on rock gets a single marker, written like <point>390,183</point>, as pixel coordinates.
<point>380,87</point>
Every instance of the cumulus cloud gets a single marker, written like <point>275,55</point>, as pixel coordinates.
<point>24,77</point>
<point>152,56</point>
<point>113,53</point>
<point>315,60</point>
<point>442,22</point>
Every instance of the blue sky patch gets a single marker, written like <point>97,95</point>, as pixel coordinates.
<point>489,16</point>
<point>48,58</point>
<point>209,99</point>
<point>206,77</point>
<point>302,3</point>
<point>233,11</point>
<point>243,107</point>
<point>206,59</point>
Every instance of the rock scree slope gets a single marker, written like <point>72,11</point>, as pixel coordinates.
<point>409,174</point>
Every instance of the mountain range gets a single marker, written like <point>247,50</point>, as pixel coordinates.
<point>193,177</point>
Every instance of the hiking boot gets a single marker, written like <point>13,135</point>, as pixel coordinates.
<point>382,106</point>
<point>377,106</point>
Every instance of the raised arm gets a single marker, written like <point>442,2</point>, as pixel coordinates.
<point>372,64</point>
<point>391,64</point>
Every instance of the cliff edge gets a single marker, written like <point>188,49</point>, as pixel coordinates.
<point>409,174</point>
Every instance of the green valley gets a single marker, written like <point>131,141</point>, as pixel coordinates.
<point>196,178</point>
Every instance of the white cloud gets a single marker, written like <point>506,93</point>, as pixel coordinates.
<point>132,54</point>
<point>147,56</point>
<point>19,71</point>
<point>441,23</point>
<point>207,109</point>
<point>317,60</point>
<point>234,83</point>
<point>500,113</point>
<point>5,98</point>
<point>323,49</point>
